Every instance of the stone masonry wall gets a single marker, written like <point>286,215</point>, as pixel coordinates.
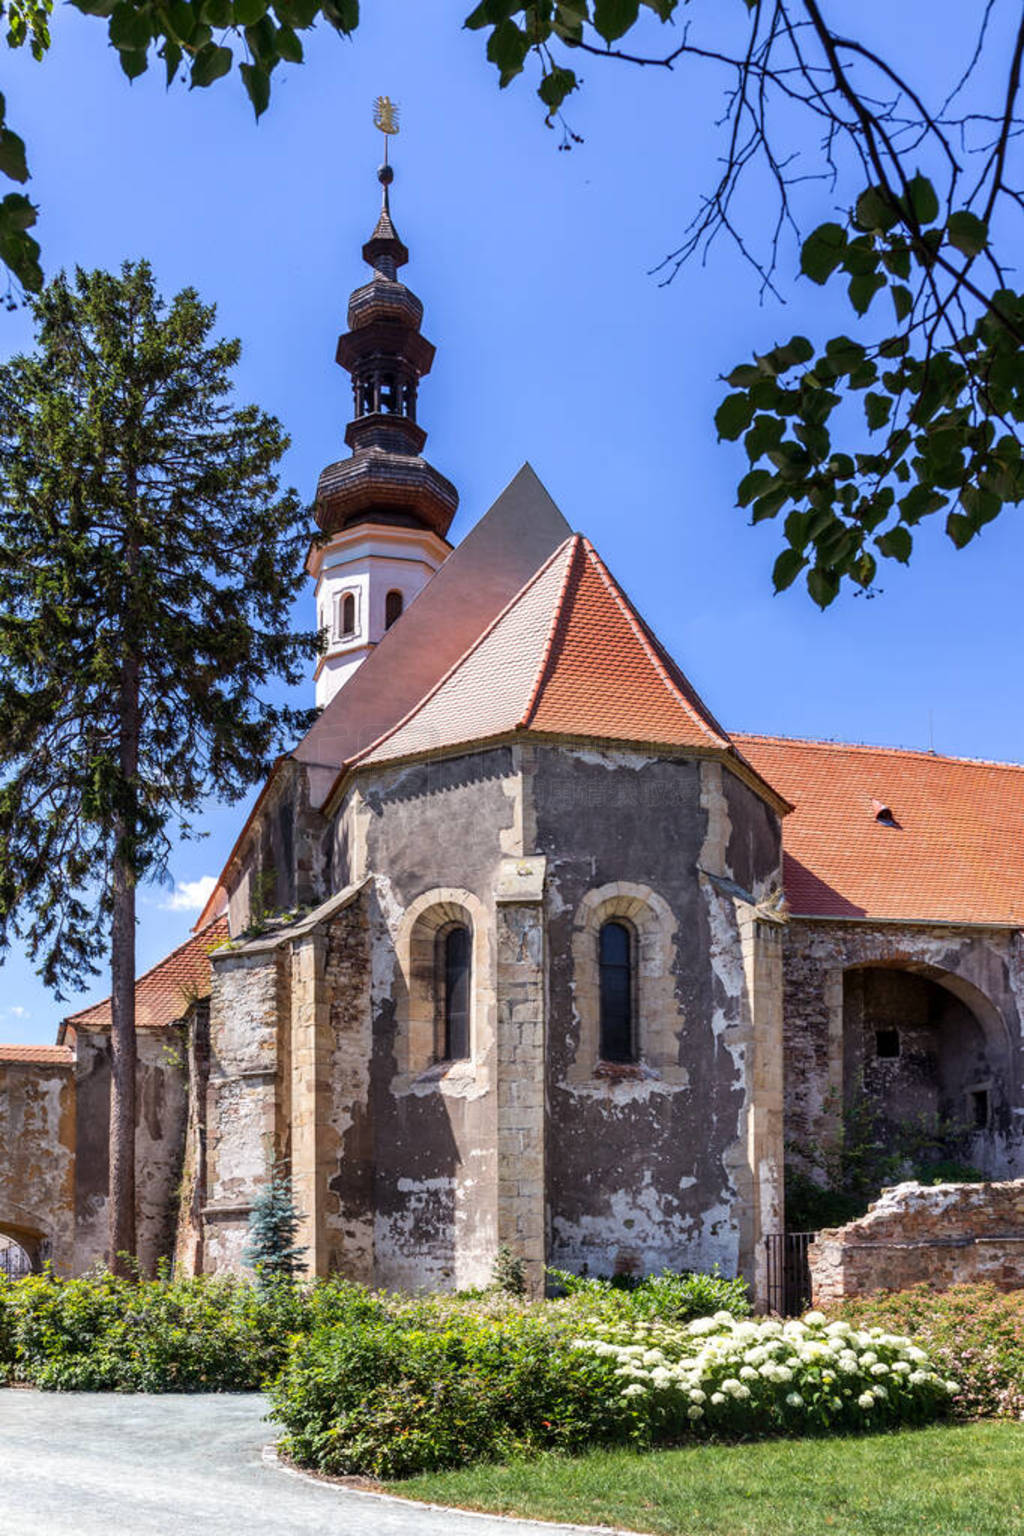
<point>37,1168</point>
<point>942,1234</point>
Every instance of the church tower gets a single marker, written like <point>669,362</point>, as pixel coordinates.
<point>385,510</point>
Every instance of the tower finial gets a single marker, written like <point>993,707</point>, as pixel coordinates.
<point>385,118</point>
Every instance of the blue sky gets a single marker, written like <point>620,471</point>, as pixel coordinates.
<point>554,345</point>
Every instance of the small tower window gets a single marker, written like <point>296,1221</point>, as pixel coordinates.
<point>393,604</point>
<point>388,394</point>
<point>348,614</point>
<point>409,400</point>
<point>455,983</point>
<point>615,963</point>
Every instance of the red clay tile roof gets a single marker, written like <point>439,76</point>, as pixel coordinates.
<point>162,994</point>
<point>38,1055</point>
<point>953,851</point>
<point>568,656</point>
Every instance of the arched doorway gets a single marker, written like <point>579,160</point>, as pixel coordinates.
<point>924,1049</point>
<point>16,1259</point>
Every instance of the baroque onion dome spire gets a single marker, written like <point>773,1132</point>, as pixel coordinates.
<point>386,480</point>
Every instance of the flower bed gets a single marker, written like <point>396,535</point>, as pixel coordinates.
<point>724,1375</point>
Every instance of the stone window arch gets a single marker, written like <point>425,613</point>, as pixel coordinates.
<point>656,1017</point>
<point>423,1020</point>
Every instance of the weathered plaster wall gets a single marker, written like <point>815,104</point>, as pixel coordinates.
<point>652,1166</point>
<point>37,1169</point>
<point>432,833</point>
<point>283,861</point>
<point>942,1234</point>
<point>831,1009</point>
<point>161,1112</point>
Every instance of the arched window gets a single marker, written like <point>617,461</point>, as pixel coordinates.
<point>348,614</point>
<point>392,608</point>
<point>615,963</point>
<point>454,945</point>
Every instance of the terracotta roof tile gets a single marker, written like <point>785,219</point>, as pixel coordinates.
<point>38,1055</point>
<point>568,656</point>
<point>953,851</point>
<point>162,994</point>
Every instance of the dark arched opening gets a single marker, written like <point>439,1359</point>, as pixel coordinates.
<point>393,605</point>
<point>615,964</point>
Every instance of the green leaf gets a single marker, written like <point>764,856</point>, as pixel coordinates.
<point>874,212</point>
<point>764,435</point>
<point>289,45</point>
<point>130,28</point>
<point>787,568</point>
<point>754,483</point>
<point>249,12</point>
<point>896,544</point>
<point>257,84</point>
<point>612,18</point>
<point>507,47</point>
<point>490,12</point>
<point>16,213</point>
<point>863,289</point>
<point>171,55</point>
<point>863,569</point>
<point>556,85</point>
<point>902,300</point>
<point>822,252</point>
<point>734,416</point>
<point>12,156</point>
<point>210,64</point>
<point>960,529</point>
<point>924,204</point>
<point>967,232</point>
<point>343,15</point>
<point>823,585</point>
<point>134,64</point>
<point>217,13</point>
<point>743,376</point>
<point>877,409</point>
<point>769,505</point>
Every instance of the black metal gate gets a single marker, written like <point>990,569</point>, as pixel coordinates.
<point>14,1261</point>
<point>789,1274</point>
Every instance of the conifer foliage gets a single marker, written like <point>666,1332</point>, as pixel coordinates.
<point>148,564</point>
<point>273,1225</point>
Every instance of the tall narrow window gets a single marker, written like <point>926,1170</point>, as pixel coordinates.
<point>392,608</point>
<point>348,614</point>
<point>455,981</point>
<point>615,961</point>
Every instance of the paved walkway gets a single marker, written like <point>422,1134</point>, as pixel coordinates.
<point>101,1464</point>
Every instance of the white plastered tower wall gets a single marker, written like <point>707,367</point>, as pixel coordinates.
<point>368,562</point>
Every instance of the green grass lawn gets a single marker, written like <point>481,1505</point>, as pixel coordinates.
<point>965,1480</point>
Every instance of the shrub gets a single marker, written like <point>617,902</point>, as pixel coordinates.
<point>672,1296</point>
<point>973,1332</point>
<point>388,1399</point>
<point>724,1375</point>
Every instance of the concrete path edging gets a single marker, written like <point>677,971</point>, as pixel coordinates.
<point>272,1458</point>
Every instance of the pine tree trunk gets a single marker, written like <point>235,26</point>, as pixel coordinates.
<point>122,1234</point>
<point>123,1054</point>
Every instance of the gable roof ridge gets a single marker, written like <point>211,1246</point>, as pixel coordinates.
<point>652,647</point>
<point>455,666</point>
<point>549,645</point>
<point>868,747</point>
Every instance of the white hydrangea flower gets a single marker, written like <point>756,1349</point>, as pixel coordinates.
<point>718,1398</point>
<point>879,1368</point>
<point>695,1412</point>
<point>868,1358</point>
<point>918,1378</point>
<point>697,1396</point>
<point>702,1325</point>
<point>635,1390</point>
<point>748,1373</point>
<point>723,1317</point>
<point>900,1367</point>
<point>880,1393</point>
<point>815,1319</point>
<point>866,1401</point>
<point>653,1357</point>
<point>838,1329</point>
<point>952,1387</point>
<point>783,1373</point>
<point>794,1399</point>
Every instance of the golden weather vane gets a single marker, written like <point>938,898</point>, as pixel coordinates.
<point>385,115</point>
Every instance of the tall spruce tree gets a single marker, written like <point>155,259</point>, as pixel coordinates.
<point>148,563</point>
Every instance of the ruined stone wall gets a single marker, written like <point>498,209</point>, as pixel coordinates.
<point>283,861</point>
<point>663,1163</point>
<point>37,1168</point>
<point>942,1235</point>
<point>831,1010</point>
<point>161,1113</point>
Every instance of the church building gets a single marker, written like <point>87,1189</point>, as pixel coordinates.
<point>519,945</point>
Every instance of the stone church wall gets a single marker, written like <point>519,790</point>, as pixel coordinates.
<point>37,1170</point>
<point>941,1235</point>
<point>654,1164</point>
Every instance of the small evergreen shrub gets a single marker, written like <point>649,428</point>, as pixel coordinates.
<point>509,1271</point>
<point>272,1252</point>
<point>972,1332</point>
